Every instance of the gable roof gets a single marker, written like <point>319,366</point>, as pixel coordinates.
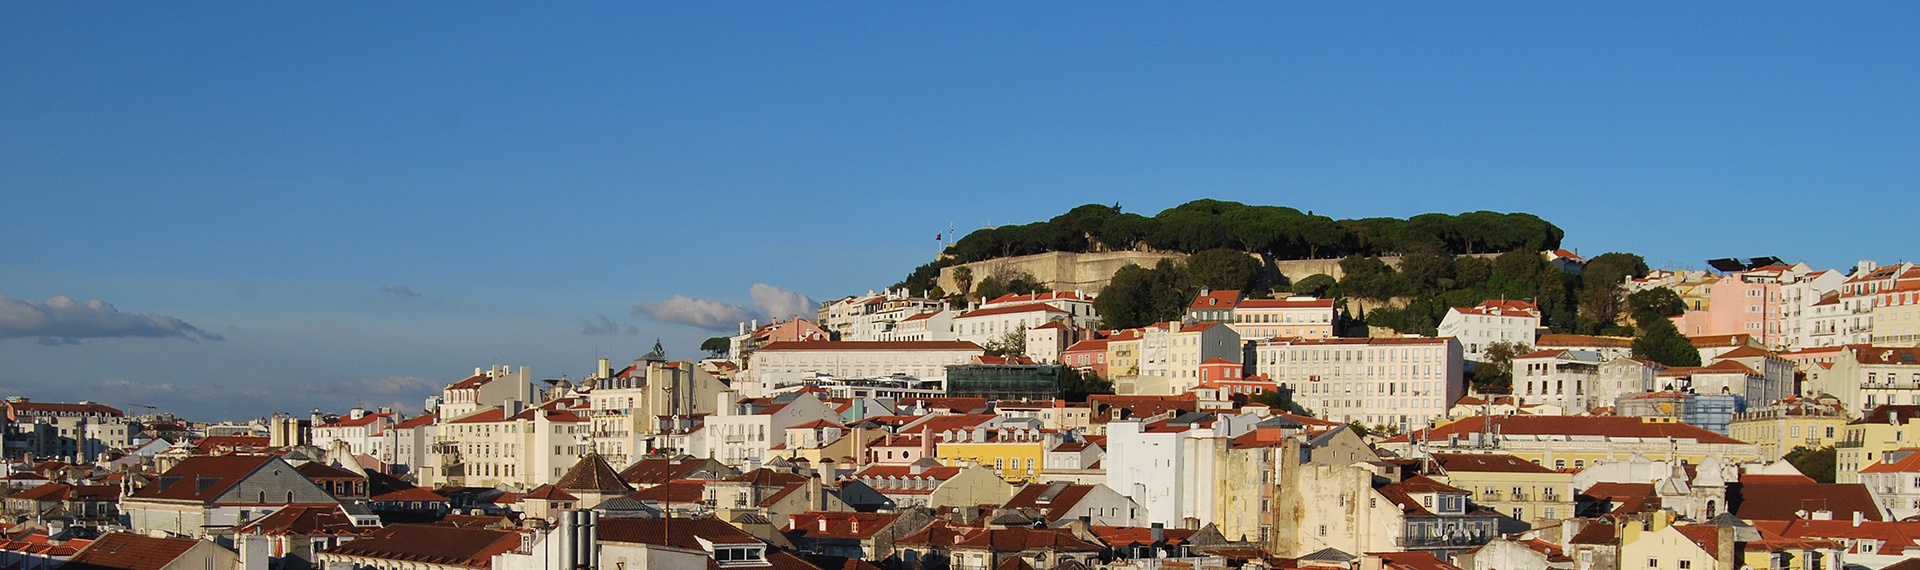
<point>859,526</point>
<point>1022,539</point>
<point>1782,501</point>
<point>682,533</point>
<point>1487,463</point>
<point>305,520</point>
<point>203,478</point>
<point>432,544</point>
<point>130,552</point>
<point>1052,500</point>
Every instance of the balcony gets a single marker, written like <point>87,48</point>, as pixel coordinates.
<point>1456,541</point>
<point>1847,444</point>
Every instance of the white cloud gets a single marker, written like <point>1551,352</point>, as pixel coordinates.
<point>703,313</point>
<point>60,321</point>
<point>769,302</point>
<point>783,304</point>
<point>389,386</point>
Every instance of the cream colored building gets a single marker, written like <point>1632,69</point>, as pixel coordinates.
<point>1865,377</point>
<point>1563,442</point>
<point>523,448</point>
<point>1292,317</point>
<point>1793,422</point>
<point>1514,487</point>
<point>780,363</point>
<point>1867,440</point>
<point>1406,382</point>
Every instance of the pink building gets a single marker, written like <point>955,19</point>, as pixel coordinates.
<point>1747,302</point>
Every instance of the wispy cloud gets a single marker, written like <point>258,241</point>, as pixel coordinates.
<point>769,302</point>
<point>401,291</point>
<point>61,321</point>
<point>389,386</point>
<point>605,326</point>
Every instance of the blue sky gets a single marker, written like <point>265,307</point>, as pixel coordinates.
<point>356,202</point>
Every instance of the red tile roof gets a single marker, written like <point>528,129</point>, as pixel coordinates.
<point>1055,508</point>
<point>130,552</point>
<point>592,474</point>
<point>1256,304</point>
<point>857,526</point>
<point>685,492</point>
<point>1020,539</point>
<point>1215,300</point>
<point>1608,426</point>
<point>306,520</point>
<point>432,544</point>
<point>1013,310</point>
<point>871,345</point>
<point>1487,463</point>
<point>1782,501</point>
<point>203,478</point>
<point>1582,341</point>
<point>1139,536</point>
<point>682,533</point>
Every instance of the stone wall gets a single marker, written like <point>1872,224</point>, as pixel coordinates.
<point>1059,270</point>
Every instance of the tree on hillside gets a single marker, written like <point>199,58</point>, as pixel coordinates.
<point>1659,303</point>
<point>716,347</point>
<point>1520,267</point>
<point>1471,271</point>
<point>1369,278</point>
<point>1077,384</point>
<point>1816,463</point>
<point>1316,285</point>
<point>1660,342</point>
<point>1137,296</point>
<point>1013,343</point>
<point>1223,269</point>
<point>963,278</point>
<point>1601,281</point>
<point>1427,269</point>
<point>1496,373</point>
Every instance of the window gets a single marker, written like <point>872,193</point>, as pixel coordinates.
<point>1653,562</point>
<point>1323,530</point>
<point>1685,564</point>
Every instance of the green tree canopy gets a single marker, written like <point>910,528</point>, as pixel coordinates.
<point>1223,269</point>
<point>1660,342</point>
<point>1658,303</point>
<point>717,346</point>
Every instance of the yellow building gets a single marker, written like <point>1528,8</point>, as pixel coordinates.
<point>1793,422</point>
<point>1867,439</point>
<point>1123,354</point>
<point>1511,486</point>
<point>1659,545</point>
<point>1016,454</point>
<point>1574,442</point>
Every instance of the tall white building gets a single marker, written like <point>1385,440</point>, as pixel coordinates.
<point>1398,381</point>
<point>781,363</point>
<point>1491,321</point>
<point>1173,467</point>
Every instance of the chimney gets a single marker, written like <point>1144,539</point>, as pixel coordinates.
<point>606,369</point>
<point>1859,517</point>
<point>1159,532</point>
<point>823,524</point>
<point>357,413</point>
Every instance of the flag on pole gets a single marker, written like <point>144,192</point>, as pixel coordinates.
<point>936,237</point>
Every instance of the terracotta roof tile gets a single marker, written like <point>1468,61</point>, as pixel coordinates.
<point>432,544</point>
<point>130,552</point>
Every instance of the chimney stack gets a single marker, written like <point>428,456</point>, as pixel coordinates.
<point>606,369</point>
